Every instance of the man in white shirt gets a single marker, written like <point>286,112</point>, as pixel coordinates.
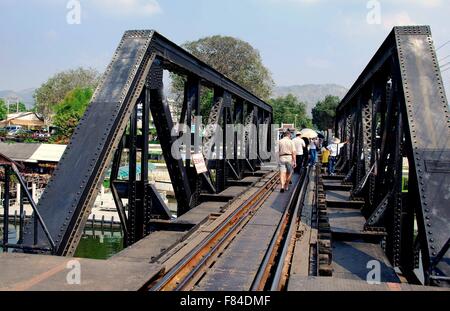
<point>287,154</point>
<point>335,149</point>
<point>299,144</point>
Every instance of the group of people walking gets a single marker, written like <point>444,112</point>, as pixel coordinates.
<point>296,153</point>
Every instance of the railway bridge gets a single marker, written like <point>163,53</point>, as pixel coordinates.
<point>370,227</point>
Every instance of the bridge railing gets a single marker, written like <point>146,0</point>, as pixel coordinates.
<point>10,169</point>
<point>110,125</point>
<point>396,119</point>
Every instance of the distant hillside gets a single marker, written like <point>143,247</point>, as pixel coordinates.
<point>311,93</point>
<point>24,96</point>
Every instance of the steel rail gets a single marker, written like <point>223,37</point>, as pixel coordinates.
<point>181,274</point>
<point>286,254</point>
<point>264,271</point>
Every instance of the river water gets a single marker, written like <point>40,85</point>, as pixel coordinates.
<point>95,244</point>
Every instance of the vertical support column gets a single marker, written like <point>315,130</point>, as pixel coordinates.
<point>367,109</point>
<point>117,199</point>
<point>134,215</point>
<point>378,97</point>
<point>219,146</point>
<point>146,198</point>
<point>398,198</point>
<point>164,126</point>
<point>270,136</point>
<point>34,192</point>
<point>18,194</point>
<point>7,171</point>
<point>387,127</point>
<point>193,110</point>
<point>238,121</point>
<point>249,138</point>
<point>21,216</point>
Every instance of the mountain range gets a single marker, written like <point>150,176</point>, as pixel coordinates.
<point>310,94</point>
<point>24,96</point>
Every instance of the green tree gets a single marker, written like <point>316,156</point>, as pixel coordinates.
<point>290,110</point>
<point>69,112</point>
<point>3,110</point>
<point>325,112</point>
<point>52,92</point>
<point>237,60</point>
<point>234,58</point>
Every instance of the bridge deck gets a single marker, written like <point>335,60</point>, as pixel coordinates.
<point>336,198</point>
<point>152,246</point>
<point>21,272</point>
<point>298,283</point>
<point>236,269</point>
<point>335,184</point>
<point>350,261</point>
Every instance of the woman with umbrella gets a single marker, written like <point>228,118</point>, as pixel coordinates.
<point>313,145</point>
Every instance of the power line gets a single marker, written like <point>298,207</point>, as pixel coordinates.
<point>446,64</point>
<point>444,58</point>
<point>443,45</point>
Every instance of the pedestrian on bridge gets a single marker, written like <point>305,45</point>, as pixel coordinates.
<point>288,161</point>
<point>335,149</point>
<point>313,146</point>
<point>325,156</point>
<point>299,147</point>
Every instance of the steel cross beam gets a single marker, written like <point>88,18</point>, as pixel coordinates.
<point>134,75</point>
<point>405,126</point>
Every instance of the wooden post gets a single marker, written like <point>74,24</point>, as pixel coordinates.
<point>18,194</point>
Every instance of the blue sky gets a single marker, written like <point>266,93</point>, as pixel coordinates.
<point>301,41</point>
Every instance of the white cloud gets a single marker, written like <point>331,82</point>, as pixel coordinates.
<point>129,7</point>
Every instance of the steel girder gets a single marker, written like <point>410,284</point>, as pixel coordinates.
<point>404,119</point>
<point>135,75</point>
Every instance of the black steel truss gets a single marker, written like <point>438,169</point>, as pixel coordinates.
<point>396,115</point>
<point>109,126</point>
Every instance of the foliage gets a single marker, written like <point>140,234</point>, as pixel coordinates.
<point>234,58</point>
<point>70,111</point>
<point>52,92</point>
<point>21,106</point>
<point>290,110</point>
<point>206,103</point>
<point>325,112</point>
<point>3,110</point>
<point>237,60</point>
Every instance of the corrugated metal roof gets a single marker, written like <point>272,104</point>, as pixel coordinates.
<point>32,153</point>
<point>18,151</point>
<point>48,153</point>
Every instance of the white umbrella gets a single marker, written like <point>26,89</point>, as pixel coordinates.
<point>309,133</point>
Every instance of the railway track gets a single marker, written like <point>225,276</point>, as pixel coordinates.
<point>189,270</point>
<point>273,270</point>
